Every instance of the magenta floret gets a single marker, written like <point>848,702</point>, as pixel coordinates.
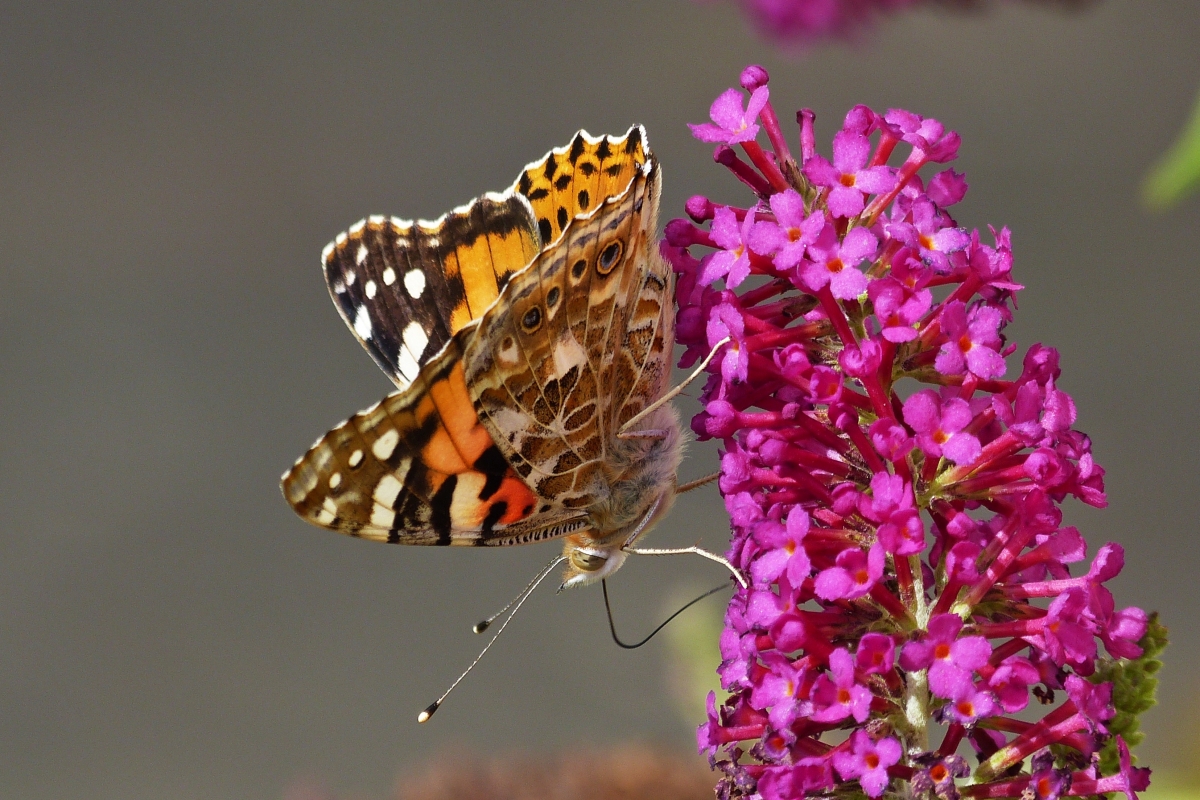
<point>894,497</point>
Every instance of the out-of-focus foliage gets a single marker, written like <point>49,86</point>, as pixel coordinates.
<point>693,656</point>
<point>1177,175</point>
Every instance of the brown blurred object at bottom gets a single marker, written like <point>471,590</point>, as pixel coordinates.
<point>624,773</point>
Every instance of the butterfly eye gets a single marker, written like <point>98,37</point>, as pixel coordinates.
<point>609,257</point>
<point>532,318</point>
<point>587,562</point>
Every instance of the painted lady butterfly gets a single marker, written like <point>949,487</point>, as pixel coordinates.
<point>530,334</point>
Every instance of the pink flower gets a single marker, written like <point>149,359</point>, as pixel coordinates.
<point>848,178</point>
<point>853,575</point>
<point>837,695</point>
<point>893,507</point>
<point>949,659</point>
<point>868,761</point>
<point>790,234</point>
<point>972,341</point>
<point>835,263</point>
<point>939,426</point>
<point>732,261</point>
<point>734,124</point>
<point>783,550</point>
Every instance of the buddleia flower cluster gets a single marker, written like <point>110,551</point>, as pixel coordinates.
<point>806,21</point>
<point>918,619</point>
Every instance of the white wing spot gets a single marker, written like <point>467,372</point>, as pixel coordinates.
<point>361,255</point>
<point>340,239</point>
<point>356,458</point>
<point>356,227</point>
<point>370,290</point>
<point>382,517</point>
<point>387,491</point>
<point>389,276</point>
<point>414,281</point>
<point>415,338</point>
<point>362,323</point>
<point>324,516</point>
<point>567,354</point>
<point>385,445</point>
<point>335,480</point>
<point>408,366</point>
<point>464,503</point>
<point>350,276</point>
<point>327,252</point>
<point>339,287</point>
<point>376,219</point>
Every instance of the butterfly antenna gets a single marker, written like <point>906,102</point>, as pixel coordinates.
<point>483,625</point>
<point>613,628</point>
<point>432,708</point>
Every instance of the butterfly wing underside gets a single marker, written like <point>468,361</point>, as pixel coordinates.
<point>581,344</point>
<point>477,455</point>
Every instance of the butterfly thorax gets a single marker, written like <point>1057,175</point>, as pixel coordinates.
<point>638,489</point>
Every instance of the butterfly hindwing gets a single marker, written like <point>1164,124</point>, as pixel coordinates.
<point>418,468</point>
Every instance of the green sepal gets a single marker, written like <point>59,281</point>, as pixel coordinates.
<point>1134,688</point>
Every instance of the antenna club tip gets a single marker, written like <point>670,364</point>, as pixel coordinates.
<point>430,710</point>
<point>482,626</point>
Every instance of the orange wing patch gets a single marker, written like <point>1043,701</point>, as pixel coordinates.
<point>575,179</point>
<point>417,468</point>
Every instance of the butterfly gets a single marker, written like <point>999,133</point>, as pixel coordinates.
<point>529,334</point>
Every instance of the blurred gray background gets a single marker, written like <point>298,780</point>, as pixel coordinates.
<point>168,176</point>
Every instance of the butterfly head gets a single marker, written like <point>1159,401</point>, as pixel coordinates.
<point>589,563</point>
<point>640,493</point>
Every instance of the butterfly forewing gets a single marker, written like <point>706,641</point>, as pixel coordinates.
<point>405,288</point>
<point>573,181</point>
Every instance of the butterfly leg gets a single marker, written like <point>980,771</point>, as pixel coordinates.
<point>652,434</point>
<point>698,551</point>
<point>673,393</point>
<point>696,484</point>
